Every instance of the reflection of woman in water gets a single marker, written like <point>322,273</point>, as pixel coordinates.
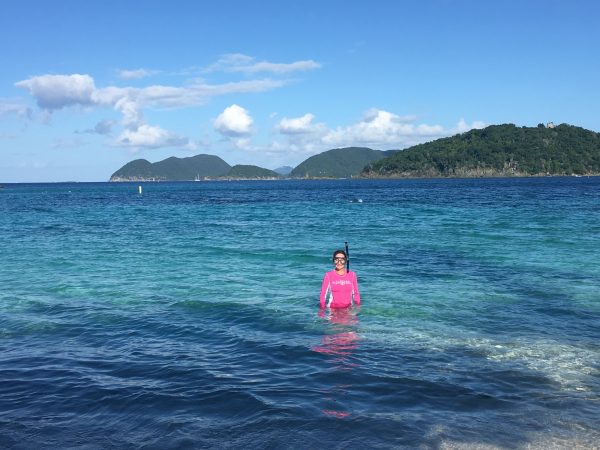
<point>343,338</point>
<point>340,287</point>
<point>338,345</point>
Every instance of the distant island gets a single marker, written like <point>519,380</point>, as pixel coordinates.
<point>335,163</point>
<point>338,163</point>
<point>173,169</point>
<point>494,151</point>
<point>249,172</point>
<point>498,151</point>
<point>199,167</point>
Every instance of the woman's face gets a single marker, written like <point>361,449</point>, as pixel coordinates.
<point>339,260</point>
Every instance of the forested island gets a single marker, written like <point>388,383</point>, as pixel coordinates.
<point>498,150</point>
<point>495,151</point>
<point>250,172</point>
<point>336,163</point>
<point>173,169</point>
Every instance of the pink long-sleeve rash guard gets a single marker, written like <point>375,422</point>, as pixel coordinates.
<point>339,291</point>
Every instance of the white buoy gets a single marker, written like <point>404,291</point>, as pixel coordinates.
<point>140,189</point>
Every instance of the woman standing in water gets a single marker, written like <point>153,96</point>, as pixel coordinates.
<point>340,287</point>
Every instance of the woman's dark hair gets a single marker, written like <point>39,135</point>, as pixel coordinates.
<point>337,252</point>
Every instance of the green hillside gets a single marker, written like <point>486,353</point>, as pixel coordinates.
<point>173,169</point>
<point>138,169</point>
<point>242,171</point>
<point>338,163</point>
<point>498,150</point>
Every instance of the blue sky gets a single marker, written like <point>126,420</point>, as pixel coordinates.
<point>86,87</point>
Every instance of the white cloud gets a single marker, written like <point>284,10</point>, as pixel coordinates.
<point>462,126</point>
<point>54,92</point>
<point>243,143</point>
<point>238,87</point>
<point>8,107</point>
<point>137,133</point>
<point>298,125</point>
<point>383,129</point>
<point>229,60</point>
<point>234,121</point>
<point>146,136</point>
<point>59,91</point>
<point>378,129</point>
<point>295,150</point>
<point>110,95</point>
<point>236,62</point>
<point>264,66</point>
<point>167,96</point>
<point>132,114</point>
<point>103,127</point>
<point>135,74</point>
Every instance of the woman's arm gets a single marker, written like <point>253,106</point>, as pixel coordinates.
<point>355,286</point>
<point>324,290</point>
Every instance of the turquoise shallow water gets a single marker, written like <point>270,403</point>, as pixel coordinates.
<point>187,316</point>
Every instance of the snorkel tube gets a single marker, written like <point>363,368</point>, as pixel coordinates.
<point>347,257</point>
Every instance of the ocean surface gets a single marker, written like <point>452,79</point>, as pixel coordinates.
<point>187,316</point>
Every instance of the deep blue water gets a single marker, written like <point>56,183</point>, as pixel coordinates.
<point>187,316</point>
